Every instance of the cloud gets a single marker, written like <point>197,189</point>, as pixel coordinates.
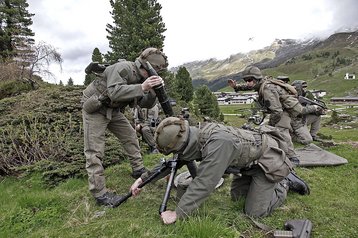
<point>344,13</point>
<point>196,30</point>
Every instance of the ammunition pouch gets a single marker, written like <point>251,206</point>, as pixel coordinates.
<point>92,104</point>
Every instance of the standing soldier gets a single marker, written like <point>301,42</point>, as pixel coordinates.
<point>104,100</point>
<point>280,100</point>
<point>265,174</point>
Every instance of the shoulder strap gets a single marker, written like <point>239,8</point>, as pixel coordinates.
<point>289,88</point>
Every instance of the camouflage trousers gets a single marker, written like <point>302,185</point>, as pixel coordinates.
<point>261,196</point>
<point>314,122</point>
<point>148,135</point>
<point>285,132</point>
<point>94,126</point>
<point>302,135</point>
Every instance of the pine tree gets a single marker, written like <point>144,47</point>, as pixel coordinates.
<point>97,56</point>
<point>60,83</point>
<point>169,81</point>
<point>70,82</point>
<point>89,79</point>
<point>205,103</point>
<point>183,85</point>
<point>15,35</point>
<point>137,24</point>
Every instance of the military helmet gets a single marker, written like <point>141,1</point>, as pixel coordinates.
<point>171,135</point>
<point>252,72</point>
<point>300,86</point>
<point>300,83</point>
<point>285,79</point>
<point>155,57</point>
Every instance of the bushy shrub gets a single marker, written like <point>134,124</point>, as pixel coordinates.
<point>41,131</point>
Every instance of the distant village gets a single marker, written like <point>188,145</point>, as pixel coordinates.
<point>227,98</point>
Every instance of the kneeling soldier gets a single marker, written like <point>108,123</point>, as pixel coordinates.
<point>265,171</point>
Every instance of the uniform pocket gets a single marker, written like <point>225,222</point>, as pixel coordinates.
<point>92,104</point>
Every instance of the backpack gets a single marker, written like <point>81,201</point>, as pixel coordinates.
<point>289,88</point>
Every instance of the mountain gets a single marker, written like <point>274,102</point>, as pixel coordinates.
<point>333,57</point>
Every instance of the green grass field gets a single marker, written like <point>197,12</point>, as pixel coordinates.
<point>29,209</point>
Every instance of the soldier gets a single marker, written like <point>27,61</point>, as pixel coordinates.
<point>104,100</point>
<point>280,101</point>
<point>146,121</point>
<point>265,172</point>
<point>312,120</point>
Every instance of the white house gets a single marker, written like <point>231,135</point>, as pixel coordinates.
<point>350,76</point>
<point>223,100</point>
<point>318,93</point>
<point>241,100</point>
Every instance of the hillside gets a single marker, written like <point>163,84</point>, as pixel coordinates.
<point>322,63</point>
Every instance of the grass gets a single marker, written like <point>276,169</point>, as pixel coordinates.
<point>29,209</point>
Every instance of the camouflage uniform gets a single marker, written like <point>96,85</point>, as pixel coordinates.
<point>279,99</point>
<point>313,120</point>
<point>118,86</point>
<point>263,164</point>
<point>282,106</point>
<point>147,119</point>
<point>300,131</point>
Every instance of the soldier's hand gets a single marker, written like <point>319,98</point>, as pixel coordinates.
<point>134,188</point>
<point>168,217</point>
<point>231,83</point>
<point>151,82</point>
<point>319,110</point>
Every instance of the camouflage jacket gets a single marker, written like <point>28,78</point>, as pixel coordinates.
<point>120,85</point>
<point>217,147</point>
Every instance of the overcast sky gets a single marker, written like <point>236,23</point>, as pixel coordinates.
<point>196,29</point>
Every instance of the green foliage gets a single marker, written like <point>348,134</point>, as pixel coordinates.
<point>183,85</point>
<point>70,82</point>
<point>334,117</point>
<point>89,79</point>
<point>169,80</point>
<point>137,24</point>
<point>205,103</point>
<point>97,56</point>
<point>10,88</point>
<point>307,57</point>
<point>15,33</point>
<point>43,133</point>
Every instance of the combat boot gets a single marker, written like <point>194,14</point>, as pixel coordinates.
<point>109,200</point>
<point>294,160</point>
<point>137,173</point>
<point>296,184</point>
<point>316,138</point>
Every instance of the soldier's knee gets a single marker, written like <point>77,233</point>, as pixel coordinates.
<point>256,212</point>
<point>306,141</point>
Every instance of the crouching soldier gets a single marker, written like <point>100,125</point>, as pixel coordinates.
<point>265,171</point>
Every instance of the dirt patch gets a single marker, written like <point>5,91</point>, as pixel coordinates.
<point>354,144</point>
